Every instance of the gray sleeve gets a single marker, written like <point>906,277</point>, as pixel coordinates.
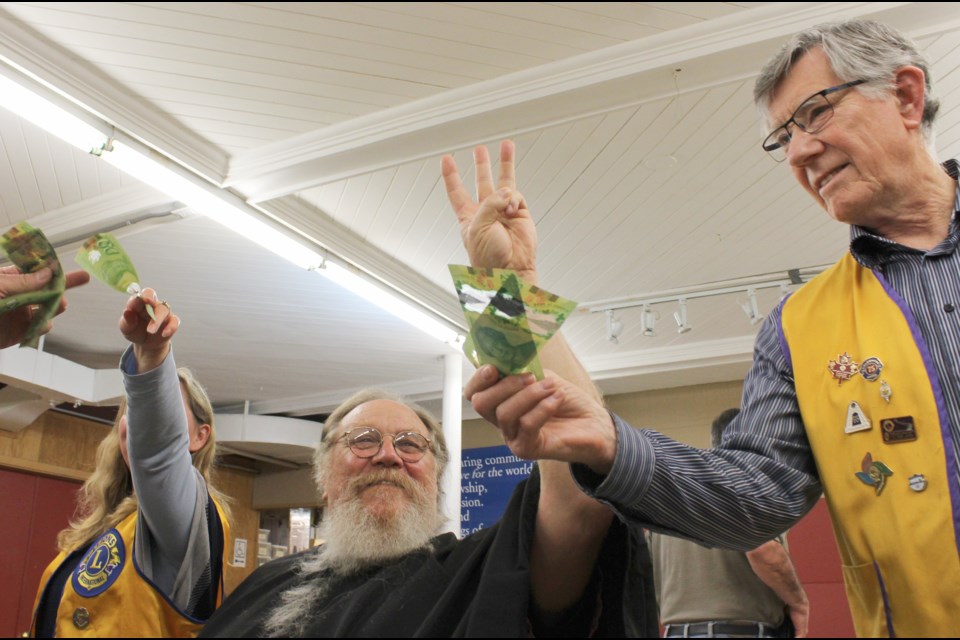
<point>754,486</point>
<point>187,583</point>
<point>171,493</point>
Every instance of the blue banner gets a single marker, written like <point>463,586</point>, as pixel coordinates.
<point>488,476</point>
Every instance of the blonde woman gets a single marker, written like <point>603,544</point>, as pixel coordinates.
<point>145,555</point>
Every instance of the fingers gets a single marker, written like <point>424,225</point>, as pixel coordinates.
<point>136,318</point>
<point>503,203</point>
<point>485,377</point>
<point>16,282</point>
<point>515,403</point>
<point>460,199</point>
<point>173,323</point>
<point>77,278</point>
<point>129,320</point>
<point>516,206</point>
<point>481,158</point>
<point>508,176</point>
<point>161,315</point>
<point>456,193</point>
<point>521,416</point>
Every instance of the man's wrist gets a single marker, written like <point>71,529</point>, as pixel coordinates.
<point>529,276</point>
<point>606,450</point>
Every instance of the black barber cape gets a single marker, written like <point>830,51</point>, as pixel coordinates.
<point>475,587</point>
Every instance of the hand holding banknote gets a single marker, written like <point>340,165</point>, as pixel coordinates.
<point>31,289</point>
<point>549,419</point>
<point>150,335</point>
<point>498,233</point>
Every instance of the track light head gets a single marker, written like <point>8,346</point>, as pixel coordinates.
<point>681,317</point>
<point>750,307</point>
<point>614,328</point>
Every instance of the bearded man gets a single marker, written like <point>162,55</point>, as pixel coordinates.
<point>554,565</point>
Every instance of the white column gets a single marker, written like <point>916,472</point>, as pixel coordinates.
<point>452,424</point>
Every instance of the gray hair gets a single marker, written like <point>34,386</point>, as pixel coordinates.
<point>332,425</point>
<point>857,50</point>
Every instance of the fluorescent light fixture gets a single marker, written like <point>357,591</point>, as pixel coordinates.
<point>162,174</point>
<point>42,107</point>
<point>37,109</point>
<point>362,286</point>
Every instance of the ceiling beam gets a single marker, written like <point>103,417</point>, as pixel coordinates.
<point>682,365</point>
<point>709,53</point>
<point>320,228</point>
<point>66,73</point>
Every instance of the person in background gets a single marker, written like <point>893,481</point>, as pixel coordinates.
<point>145,554</point>
<point>855,385</point>
<point>716,593</point>
<point>554,565</point>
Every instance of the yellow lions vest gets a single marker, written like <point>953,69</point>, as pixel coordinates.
<point>886,462</point>
<point>105,596</point>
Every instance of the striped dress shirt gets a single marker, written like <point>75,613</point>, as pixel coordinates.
<point>763,478</point>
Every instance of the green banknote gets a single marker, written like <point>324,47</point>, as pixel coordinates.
<point>30,251</point>
<point>103,258</point>
<point>509,319</point>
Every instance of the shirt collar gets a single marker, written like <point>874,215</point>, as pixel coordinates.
<point>873,251</point>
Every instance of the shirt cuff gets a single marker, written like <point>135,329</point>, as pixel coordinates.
<point>632,470</point>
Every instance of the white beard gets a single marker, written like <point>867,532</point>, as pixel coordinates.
<point>355,539</point>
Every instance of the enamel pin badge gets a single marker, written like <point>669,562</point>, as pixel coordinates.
<point>918,482</point>
<point>871,369</point>
<point>898,430</point>
<point>856,419</point>
<point>885,391</point>
<point>874,473</point>
<point>843,368</point>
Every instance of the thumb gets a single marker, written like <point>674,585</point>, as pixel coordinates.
<point>494,207</point>
<point>14,283</point>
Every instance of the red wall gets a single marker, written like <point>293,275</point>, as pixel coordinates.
<point>814,552</point>
<point>33,510</point>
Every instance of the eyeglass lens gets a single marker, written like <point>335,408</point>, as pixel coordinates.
<point>811,116</point>
<point>367,441</point>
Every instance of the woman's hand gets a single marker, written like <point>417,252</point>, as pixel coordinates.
<point>150,336</point>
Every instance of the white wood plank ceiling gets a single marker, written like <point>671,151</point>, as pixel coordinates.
<point>638,152</point>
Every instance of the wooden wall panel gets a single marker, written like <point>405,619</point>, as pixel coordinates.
<point>244,522</point>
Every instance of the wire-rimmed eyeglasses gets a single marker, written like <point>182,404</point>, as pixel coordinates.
<point>811,116</point>
<point>366,442</point>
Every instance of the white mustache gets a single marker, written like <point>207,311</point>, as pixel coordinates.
<point>358,484</point>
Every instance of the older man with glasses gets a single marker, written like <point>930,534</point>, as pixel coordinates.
<point>855,385</point>
<point>554,564</point>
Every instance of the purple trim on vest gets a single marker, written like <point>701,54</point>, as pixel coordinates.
<point>886,602</point>
<point>948,453</point>
<point>784,347</point>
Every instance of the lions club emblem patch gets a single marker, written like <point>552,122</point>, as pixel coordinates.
<point>101,565</point>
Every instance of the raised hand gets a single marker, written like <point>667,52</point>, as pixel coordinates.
<point>150,337</point>
<point>496,228</point>
<point>552,419</point>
